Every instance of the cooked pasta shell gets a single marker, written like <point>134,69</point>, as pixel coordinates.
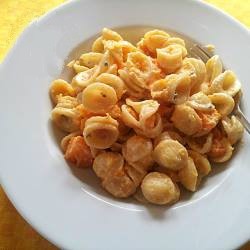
<point>129,116</point>
<point>64,115</point>
<point>155,39</point>
<point>233,128</point>
<point>170,57</point>
<point>90,59</point>
<point>108,34</point>
<point>97,45</point>
<point>221,149</point>
<point>105,162</point>
<point>100,132</point>
<point>135,175</point>
<point>201,163</point>
<point>66,139</point>
<point>188,175</point>
<point>60,86</point>
<point>225,83</point>
<point>186,119</point>
<point>169,134</point>
<point>223,102</point>
<point>83,79</point>
<point>201,145</point>
<point>158,188</point>
<point>170,154</point>
<point>136,148</point>
<point>209,120</point>
<point>200,101</point>
<point>99,97</point>
<point>213,68</point>
<point>113,81</point>
<point>173,89</point>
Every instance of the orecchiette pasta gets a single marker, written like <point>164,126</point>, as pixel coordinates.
<point>223,103</point>
<point>99,97</point>
<point>143,117</point>
<point>233,129</point>
<point>186,119</point>
<point>170,154</point>
<point>226,82</point>
<point>113,81</point>
<point>60,87</point>
<point>64,115</point>
<point>101,131</point>
<point>135,150</point>
<point>153,40</point>
<point>188,175</point>
<point>147,118</point>
<point>170,57</point>
<point>202,144</point>
<point>173,89</point>
<point>90,59</point>
<point>221,149</point>
<point>159,189</point>
<point>213,67</point>
<point>78,153</point>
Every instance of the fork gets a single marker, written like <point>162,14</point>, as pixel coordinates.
<point>200,52</point>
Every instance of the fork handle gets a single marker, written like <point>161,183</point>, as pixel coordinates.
<point>243,119</point>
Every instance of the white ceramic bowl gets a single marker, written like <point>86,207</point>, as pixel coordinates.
<point>70,208</point>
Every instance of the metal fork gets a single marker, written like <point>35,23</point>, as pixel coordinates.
<point>202,53</point>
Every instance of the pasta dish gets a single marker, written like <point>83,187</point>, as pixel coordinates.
<point>147,118</point>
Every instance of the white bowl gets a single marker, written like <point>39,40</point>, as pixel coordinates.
<point>69,208</point>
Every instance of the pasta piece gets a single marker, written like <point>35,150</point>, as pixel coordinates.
<point>105,162</point>
<point>64,115</point>
<point>132,89</point>
<point>75,64</point>
<point>170,154</point>
<point>188,175</point>
<point>119,51</point>
<point>233,128</point>
<point>213,68</point>
<point>173,89</point>
<point>90,59</point>
<point>141,69</point>
<point>99,97</point>
<point>100,132</point>
<point>78,153</point>
<point>60,86</point>
<point>170,57</point>
<point>83,79</point>
<point>66,139</point>
<point>113,81</point>
<point>201,163</point>
<point>221,150</point>
<point>176,40</point>
<point>201,145</point>
<point>97,45</point>
<point>135,175</point>
<point>108,34</point>
<point>153,40</point>
<point>172,174</point>
<point>159,189</point>
<point>223,102</point>
<point>186,119</point>
<point>225,83</point>
<point>79,68</point>
<point>109,166</point>
<point>148,122</point>
<point>209,121</point>
<point>200,101</point>
<point>137,151</point>
<point>169,134</point>
<point>196,69</point>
